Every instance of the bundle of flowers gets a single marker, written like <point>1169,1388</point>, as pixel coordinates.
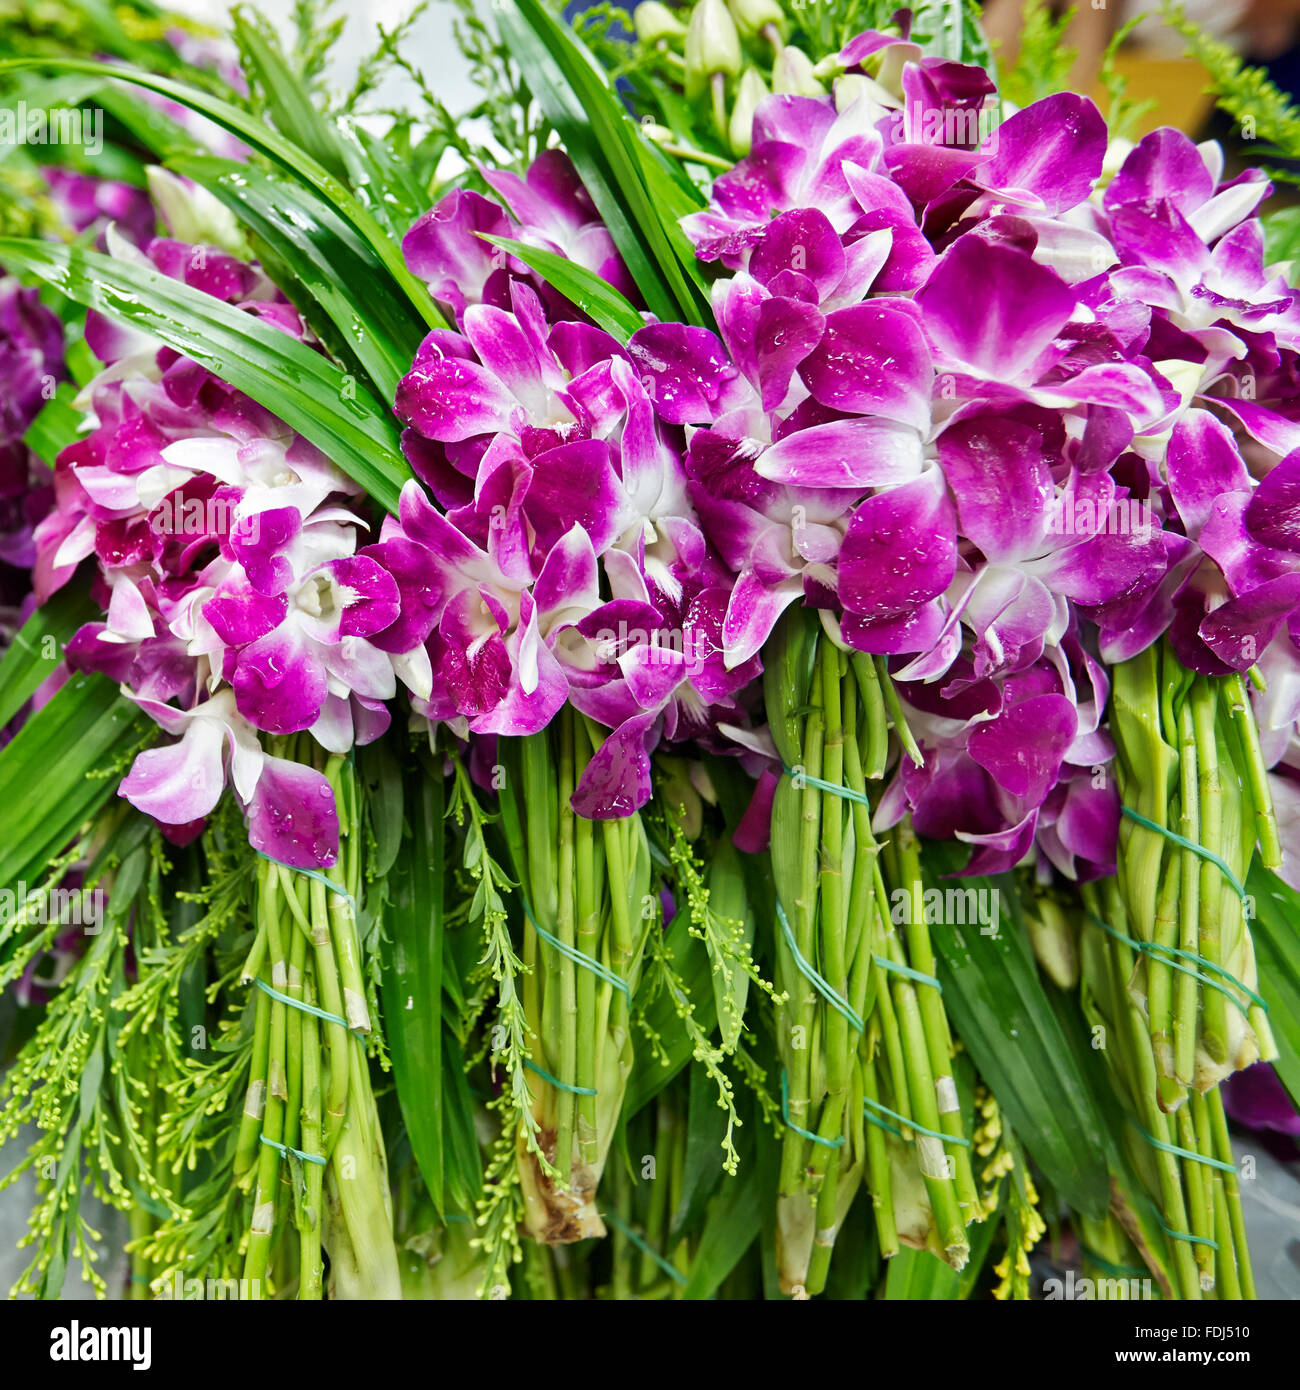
<point>767,630</point>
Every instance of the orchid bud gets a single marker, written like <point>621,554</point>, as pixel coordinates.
<point>753,16</point>
<point>655,21</point>
<point>1053,941</point>
<point>660,134</point>
<point>792,74</point>
<point>192,213</point>
<point>712,43</point>
<point>740,129</point>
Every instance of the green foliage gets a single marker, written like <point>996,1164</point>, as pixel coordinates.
<point>1043,63</point>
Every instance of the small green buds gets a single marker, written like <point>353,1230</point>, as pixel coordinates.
<point>740,129</point>
<point>654,22</point>
<point>792,74</point>
<point>712,43</point>
<point>754,16</point>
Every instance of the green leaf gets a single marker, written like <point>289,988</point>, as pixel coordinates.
<point>307,391</point>
<point>37,647</point>
<point>54,771</point>
<point>327,259</point>
<point>1276,934</point>
<point>1001,1012</point>
<point>291,105</point>
<point>274,146</point>
<point>735,1214</point>
<point>603,142</point>
<point>55,427</point>
<point>412,976</point>
<point>598,299</point>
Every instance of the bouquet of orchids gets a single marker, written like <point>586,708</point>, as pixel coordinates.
<point>697,696</point>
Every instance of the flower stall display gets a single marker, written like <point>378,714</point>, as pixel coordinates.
<point>694,695</point>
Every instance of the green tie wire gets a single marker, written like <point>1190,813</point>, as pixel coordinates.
<point>835,1000</point>
<point>1183,1153</point>
<point>1186,1235</point>
<point>907,972</point>
<point>1170,956</point>
<point>803,1133</point>
<point>557,1083</point>
<point>623,1228</point>
<point>578,957</point>
<point>869,1105</point>
<point>286,1149</point>
<point>1206,854</point>
<point>1106,1267</point>
<point>317,875</point>
<point>847,793</point>
<point>305,1007</point>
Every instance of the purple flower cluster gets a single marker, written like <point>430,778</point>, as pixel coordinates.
<point>568,562</point>
<point>236,598</point>
<point>993,413</point>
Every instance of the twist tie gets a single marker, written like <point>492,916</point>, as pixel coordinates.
<point>907,973</point>
<point>305,1007</point>
<point>286,1150</point>
<point>581,958</point>
<point>557,1083</point>
<point>624,1229</point>
<point>317,875</point>
<point>1107,1267</point>
<point>1170,955</point>
<point>1186,1235</point>
<point>868,1105</point>
<point>847,793</point>
<point>1183,1153</point>
<point>1206,854</point>
<point>803,1133</point>
<point>835,1000</point>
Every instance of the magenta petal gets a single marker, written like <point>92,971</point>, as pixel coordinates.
<point>754,829</point>
<point>1273,514</point>
<point>803,241</point>
<point>686,372</point>
<point>1164,164</point>
<point>997,473</point>
<point>239,614</point>
<point>900,549</point>
<point>855,453</point>
<point>292,816</point>
<point>1202,462</point>
<point>1053,149</point>
<point>616,782</point>
<point>279,686</point>
<point>993,307</point>
<point>1022,748</point>
<point>1238,631</point>
<point>452,399</point>
<point>183,781</point>
<point>872,358</point>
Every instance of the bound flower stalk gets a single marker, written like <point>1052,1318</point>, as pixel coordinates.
<point>862,1033</point>
<point>584,886</point>
<point>1168,962</point>
<point>309,1147</point>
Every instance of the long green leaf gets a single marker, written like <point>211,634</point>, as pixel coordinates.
<point>1000,1010</point>
<point>55,773</point>
<point>55,427</point>
<point>38,645</point>
<point>288,100</point>
<point>603,142</point>
<point>412,977</point>
<point>594,296</point>
<point>307,391</point>
<point>274,146</point>
<point>1276,934</point>
<point>327,259</point>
